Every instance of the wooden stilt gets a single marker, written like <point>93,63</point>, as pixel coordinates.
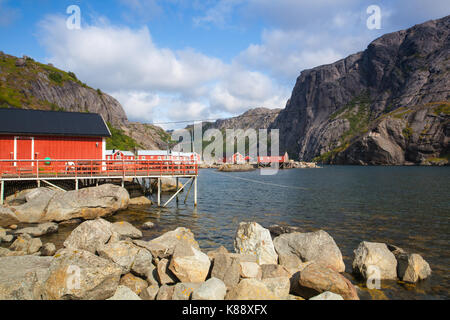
<point>2,192</point>
<point>177,188</point>
<point>39,183</point>
<point>159,192</point>
<point>123,183</point>
<point>195,191</point>
<point>76,184</point>
<point>189,191</point>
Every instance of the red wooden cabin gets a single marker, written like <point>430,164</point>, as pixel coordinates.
<point>274,159</point>
<point>119,155</point>
<point>39,135</point>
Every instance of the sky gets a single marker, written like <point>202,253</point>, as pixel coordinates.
<point>176,60</point>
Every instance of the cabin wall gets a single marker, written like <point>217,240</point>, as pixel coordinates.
<point>57,148</point>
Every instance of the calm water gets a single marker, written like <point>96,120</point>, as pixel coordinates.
<point>405,206</point>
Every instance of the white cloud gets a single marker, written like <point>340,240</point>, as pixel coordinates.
<point>155,83</point>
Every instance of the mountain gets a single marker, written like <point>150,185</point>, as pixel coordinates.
<point>387,105</point>
<point>257,118</point>
<point>28,84</point>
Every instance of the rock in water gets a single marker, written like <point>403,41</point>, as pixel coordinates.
<point>412,267</point>
<point>126,230</point>
<point>48,250</point>
<point>40,230</point>
<point>295,248</point>
<point>35,204</point>
<point>327,295</point>
<point>7,217</point>
<point>251,238</point>
<point>140,201</point>
<point>88,203</point>
<point>316,278</point>
<point>375,259</point>
<point>76,274</point>
<point>90,235</point>
<point>212,289</point>
<point>124,293</point>
<point>189,264</point>
<point>22,278</point>
<point>148,225</point>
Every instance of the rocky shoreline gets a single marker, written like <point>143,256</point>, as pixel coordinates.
<point>102,260</point>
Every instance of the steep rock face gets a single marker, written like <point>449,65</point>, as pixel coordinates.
<point>349,111</point>
<point>257,118</point>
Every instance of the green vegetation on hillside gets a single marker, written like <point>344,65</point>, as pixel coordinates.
<point>120,141</point>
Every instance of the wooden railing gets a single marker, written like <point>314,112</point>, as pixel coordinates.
<point>45,169</point>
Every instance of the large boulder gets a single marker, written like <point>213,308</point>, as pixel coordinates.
<point>126,230</point>
<point>40,230</point>
<point>250,270</point>
<point>163,246</point>
<point>22,277</point>
<point>149,293</point>
<point>212,289</point>
<point>252,238</point>
<point>124,293</point>
<point>88,203</point>
<point>143,266</point>
<point>251,289</point>
<point>90,235</point>
<point>165,292</point>
<point>7,217</point>
<point>279,286</point>
<point>227,268</point>
<point>412,267</point>
<point>295,248</point>
<point>316,278</point>
<point>274,271</point>
<point>189,264</point>
<point>140,201</point>
<point>76,274</point>
<point>375,259</point>
<point>35,204</point>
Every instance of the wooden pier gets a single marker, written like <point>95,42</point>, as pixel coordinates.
<point>45,171</point>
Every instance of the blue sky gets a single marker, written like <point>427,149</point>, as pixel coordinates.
<point>170,60</point>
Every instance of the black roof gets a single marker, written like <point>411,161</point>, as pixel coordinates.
<point>38,122</point>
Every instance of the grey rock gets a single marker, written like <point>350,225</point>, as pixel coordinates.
<point>75,274</point>
<point>212,289</point>
<point>165,292</point>
<point>227,269</point>
<point>295,248</point>
<point>183,290</point>
<point>373,257</point>
<point>40,230</point>
<point>327,295</point>
<point>148,225</point>
<point>48,250</point>
<point>34,208</point>
<point>90,235</point>
<point>149,293</point>
<point>126,229</point>
<point>122,253</point>
<point>7,217</point>
<point>88,203</point>
<point>165,275</point>
<point>26,244</point>
<point>252,238</point>
<point>189,264</point>
<point>136,284</point>
<point>22,277</point>
<point>124,293</point>
<point>412,267</point>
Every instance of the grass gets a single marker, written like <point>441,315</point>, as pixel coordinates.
<point>443,108</point>
<point>407,132</point>
<point>120,141</point>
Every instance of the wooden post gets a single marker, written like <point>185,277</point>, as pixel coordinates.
<point>39,183</point>
<point>2,192</point>
<point>195,191</point>
<point>159,192</point>
<point>177,188</point>
<point>123,182</point>
<point>76,184</point>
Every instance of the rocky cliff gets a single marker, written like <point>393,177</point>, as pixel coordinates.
<point>386,105</point>
<point>28,84</point>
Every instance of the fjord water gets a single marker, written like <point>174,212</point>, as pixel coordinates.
<point>405,206</point>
